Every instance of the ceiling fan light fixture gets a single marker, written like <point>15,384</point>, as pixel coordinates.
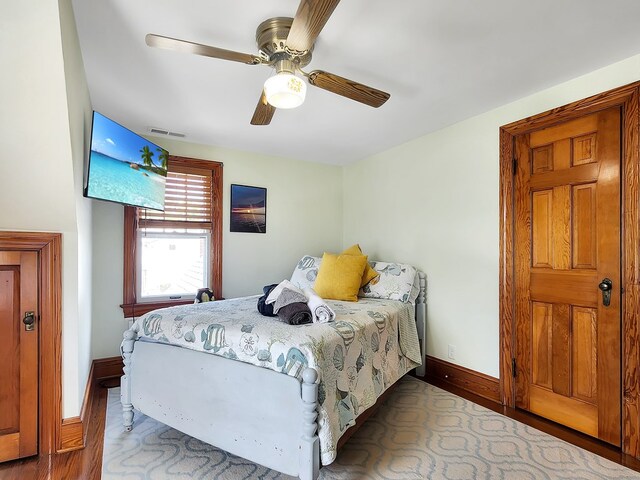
<point>285,90</point>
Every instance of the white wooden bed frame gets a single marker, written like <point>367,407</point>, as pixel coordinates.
<point>255,413</point>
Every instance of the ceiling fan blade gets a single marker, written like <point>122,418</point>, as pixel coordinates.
<point>169,43</point>
<point>264,112</point>
<point>308,22</point>
<point>348,88</point>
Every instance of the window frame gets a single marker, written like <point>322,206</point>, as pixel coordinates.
<point>131,305</point>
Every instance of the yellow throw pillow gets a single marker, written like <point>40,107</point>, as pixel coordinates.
<point>369,273</point>
<point>339,276</point>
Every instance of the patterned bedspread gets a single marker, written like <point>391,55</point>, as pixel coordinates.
<point>369,347</point>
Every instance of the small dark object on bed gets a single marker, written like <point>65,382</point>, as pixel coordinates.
<point>264,308</point>
<point>204,295</point>
<point>296,313</point>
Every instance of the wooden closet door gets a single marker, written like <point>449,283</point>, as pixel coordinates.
<point>18,355</point>
<point>567,241</point>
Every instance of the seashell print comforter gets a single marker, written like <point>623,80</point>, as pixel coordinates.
<point>371,344</point>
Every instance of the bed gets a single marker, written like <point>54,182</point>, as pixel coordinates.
<point>278,395</point>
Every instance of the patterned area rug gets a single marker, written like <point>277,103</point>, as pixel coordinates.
<point>420,432</point>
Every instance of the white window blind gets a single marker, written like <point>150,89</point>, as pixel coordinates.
<point>187,202</point>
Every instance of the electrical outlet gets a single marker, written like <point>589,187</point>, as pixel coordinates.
<point>452,352</point>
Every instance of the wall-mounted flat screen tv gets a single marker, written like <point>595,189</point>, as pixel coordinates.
<point>124,167</point>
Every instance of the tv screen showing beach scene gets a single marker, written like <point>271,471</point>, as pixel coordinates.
<point>124,167</point>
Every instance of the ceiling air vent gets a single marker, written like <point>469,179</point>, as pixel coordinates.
<point>165,132</point>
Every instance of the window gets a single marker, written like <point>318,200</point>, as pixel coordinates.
<point>170,255</point>
<point>171,264</point>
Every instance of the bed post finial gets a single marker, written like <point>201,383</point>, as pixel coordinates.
<point>310,444</point>
<point>125,387</point>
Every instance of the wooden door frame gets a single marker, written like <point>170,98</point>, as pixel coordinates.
<point>49,249</point>
<point>626,97</point>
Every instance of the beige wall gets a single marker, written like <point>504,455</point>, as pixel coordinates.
<point>79,112</point>
<point>39,157</point>
<point>304,215</point>
<point>433,202</point>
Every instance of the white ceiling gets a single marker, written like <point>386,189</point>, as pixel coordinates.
<point>441,60</point>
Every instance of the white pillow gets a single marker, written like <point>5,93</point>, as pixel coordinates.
<point>396,282</point>
<point>306,271</point>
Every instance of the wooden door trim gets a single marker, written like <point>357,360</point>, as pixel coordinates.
<point>49,248</point>
<point>625,97</point>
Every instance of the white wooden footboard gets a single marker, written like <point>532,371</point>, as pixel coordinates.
<point>255,413</point>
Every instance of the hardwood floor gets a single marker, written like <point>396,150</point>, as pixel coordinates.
<point>86,464</point>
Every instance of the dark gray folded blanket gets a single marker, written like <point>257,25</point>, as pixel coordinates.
<point>296,313</point>
<point>292,308</point>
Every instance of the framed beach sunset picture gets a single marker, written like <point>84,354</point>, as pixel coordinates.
<point>248,209</point>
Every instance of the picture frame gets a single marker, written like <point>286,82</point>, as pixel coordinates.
<point>248,212</point>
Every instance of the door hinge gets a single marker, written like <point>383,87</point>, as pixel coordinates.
<point>513,367</point>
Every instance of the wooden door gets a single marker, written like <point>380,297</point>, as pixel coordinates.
<point>18,355</point>
<point>567,240</point>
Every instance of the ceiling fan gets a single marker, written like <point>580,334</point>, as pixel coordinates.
<point>285,44</point>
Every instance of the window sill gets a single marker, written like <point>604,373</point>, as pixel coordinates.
<point>137,309</point>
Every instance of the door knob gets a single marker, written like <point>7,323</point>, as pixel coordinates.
<point>606,285</point>
<point>29,320</point>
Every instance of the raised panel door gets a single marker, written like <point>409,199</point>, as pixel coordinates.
<point>567,240</point>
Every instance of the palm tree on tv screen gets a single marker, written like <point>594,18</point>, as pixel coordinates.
<point>146,156</point>
<point>163,157</point>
